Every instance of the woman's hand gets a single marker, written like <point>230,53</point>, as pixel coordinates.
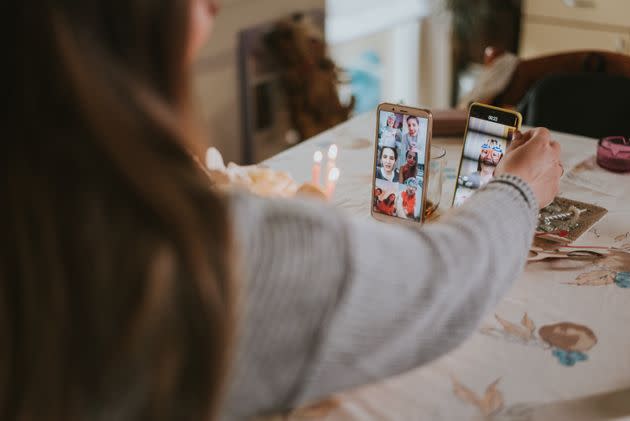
<point>535,158</point>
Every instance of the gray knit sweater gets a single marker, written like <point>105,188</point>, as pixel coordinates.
<point>329,303</point>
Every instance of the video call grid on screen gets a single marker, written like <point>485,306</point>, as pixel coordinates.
<point>400,165</point>
<point>484,147</point>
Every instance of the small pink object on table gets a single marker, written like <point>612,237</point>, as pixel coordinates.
<point>613,153</point>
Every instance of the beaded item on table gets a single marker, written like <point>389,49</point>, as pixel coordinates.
<point>567,219</point>
<point>555,218</point>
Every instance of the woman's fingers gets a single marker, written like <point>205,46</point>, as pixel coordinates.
<point>535,158</point>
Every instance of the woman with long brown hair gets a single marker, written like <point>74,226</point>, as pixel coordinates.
<point>117,294</point>
<point>131,290</point>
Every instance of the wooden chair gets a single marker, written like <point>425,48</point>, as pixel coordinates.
<point>606,116</point>
<point>530,71</point>
<point>583,92</point>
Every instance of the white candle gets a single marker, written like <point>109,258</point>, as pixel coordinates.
<point>318,156</point>
<point>333,177</point>
<point>331,162</point>
<point>332,153</point>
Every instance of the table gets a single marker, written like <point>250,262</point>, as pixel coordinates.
<point>507,370</point>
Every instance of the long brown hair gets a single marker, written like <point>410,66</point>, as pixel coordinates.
<point>115,289</point>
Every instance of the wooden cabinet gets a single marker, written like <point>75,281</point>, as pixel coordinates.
<point>553,26</point>
<point>603,12</point>
<point>543,38</point>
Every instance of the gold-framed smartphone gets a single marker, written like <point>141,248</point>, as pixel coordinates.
<point>402,150</point>
<point>489,131</point>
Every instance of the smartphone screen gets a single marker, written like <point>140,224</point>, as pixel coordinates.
<point>400,159</point>
<point>489,132</point>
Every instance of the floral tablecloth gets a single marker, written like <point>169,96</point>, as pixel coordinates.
<point>557,347</point>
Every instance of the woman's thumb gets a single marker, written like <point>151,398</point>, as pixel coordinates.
<point>518,140</point>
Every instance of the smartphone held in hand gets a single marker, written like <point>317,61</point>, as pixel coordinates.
<point>489,132</point>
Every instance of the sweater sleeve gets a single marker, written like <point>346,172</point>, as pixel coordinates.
<point>331,303</point>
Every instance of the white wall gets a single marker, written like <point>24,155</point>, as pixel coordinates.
<point>216,78</point>
<point>412,37</point>
<point>436,63</point>
<point>389,28</point>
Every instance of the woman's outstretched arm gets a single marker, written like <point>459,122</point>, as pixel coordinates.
<point>330,303</point>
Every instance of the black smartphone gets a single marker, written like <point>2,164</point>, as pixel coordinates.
<point>489,131</point>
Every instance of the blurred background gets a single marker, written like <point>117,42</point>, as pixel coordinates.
<point>257,97</point>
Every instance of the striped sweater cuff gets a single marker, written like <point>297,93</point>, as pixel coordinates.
<point>523,188</point>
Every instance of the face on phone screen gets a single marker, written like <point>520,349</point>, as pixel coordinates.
<point>487,138</point>
<point>400,161</point>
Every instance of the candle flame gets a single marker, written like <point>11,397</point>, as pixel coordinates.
<point>332,151</point>
<point>334,174</point>
<point>318,156</point>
